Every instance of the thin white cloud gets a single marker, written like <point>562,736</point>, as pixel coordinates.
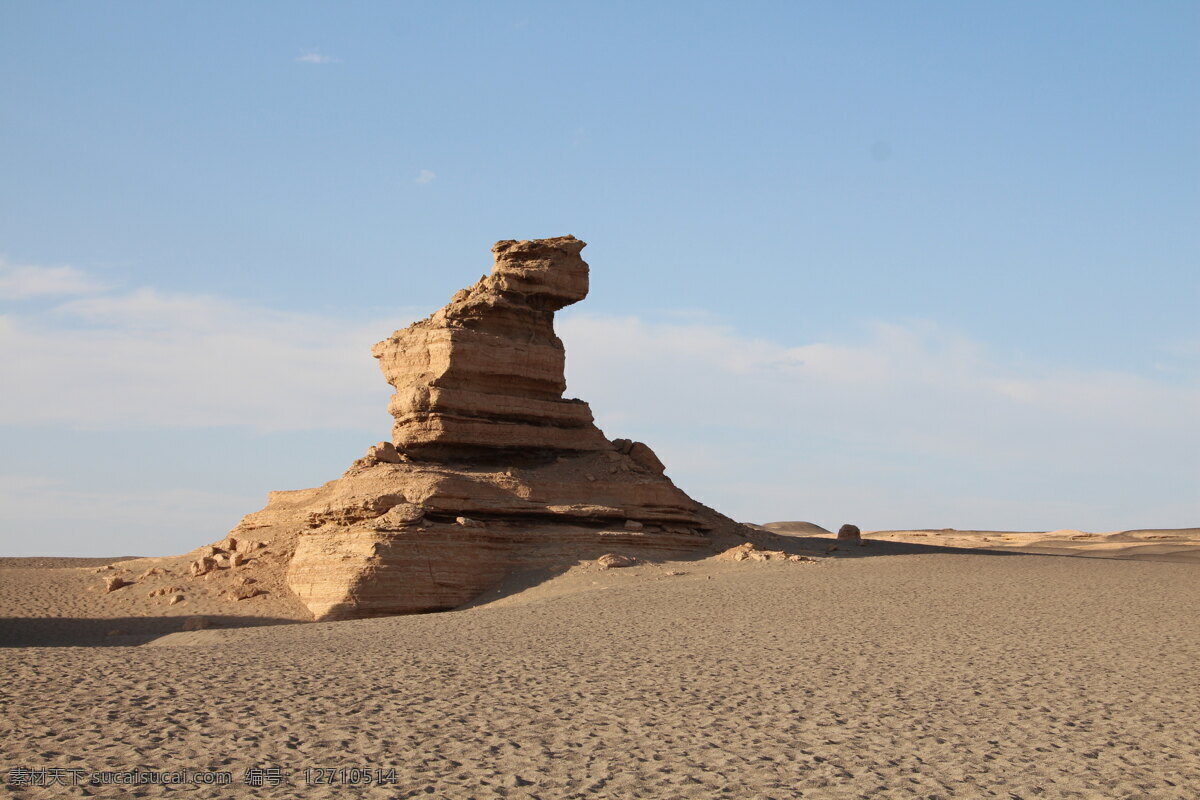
<point>425,176</point>
<point>118,522</point>
<point>894,368</point>
<point>907,424</point>
<point>147,358</point>
<point>23,282</point>
<point>911,425</point>
<point>313,57</point>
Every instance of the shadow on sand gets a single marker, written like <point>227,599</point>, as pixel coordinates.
<point>820,547</point>
<point>134,631</point>
<point>836,548</point>
<point>108,631</point>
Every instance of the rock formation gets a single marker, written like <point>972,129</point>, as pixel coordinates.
<point>485,374</point>
<point>489,469</point>
<point>114,583</point>
<point>752,551</point>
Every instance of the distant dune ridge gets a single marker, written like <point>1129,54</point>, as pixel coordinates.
<point>796,528</point>
<point>1158,544</point>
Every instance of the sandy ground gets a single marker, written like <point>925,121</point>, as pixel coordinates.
<point>57,602</point>
<point>896,669</point>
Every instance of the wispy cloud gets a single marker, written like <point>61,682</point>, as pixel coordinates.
<point>910,424</point>
<point>314,57</point>
<point>24,282</point>
<point>126,522</point>
<point>425,176</point>
<point>147,358</point>
<point>904,424</point>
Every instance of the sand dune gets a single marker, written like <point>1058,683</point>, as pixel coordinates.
<point>796,528</point>
<point>933,672</point>
<point>1161,544</point>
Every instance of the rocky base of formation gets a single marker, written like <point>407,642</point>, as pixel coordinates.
<point>403,537</point>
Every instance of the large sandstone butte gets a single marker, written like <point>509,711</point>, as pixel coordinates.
<point>489,470</point>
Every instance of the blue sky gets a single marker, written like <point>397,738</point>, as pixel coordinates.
<point>927,264</point>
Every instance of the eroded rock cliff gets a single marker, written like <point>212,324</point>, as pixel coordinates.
<point>489,469</point>
<point>485,373</point>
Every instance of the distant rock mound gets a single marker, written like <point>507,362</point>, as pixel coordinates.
<point>800,528</point>
<point>489,469</point>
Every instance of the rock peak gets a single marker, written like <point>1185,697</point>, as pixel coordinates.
<point>486,372</point>
<point>549,272</point>
<point>541,268</point>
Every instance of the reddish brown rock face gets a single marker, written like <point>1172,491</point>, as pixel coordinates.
<point>489,469</point>
<point>486,372</point>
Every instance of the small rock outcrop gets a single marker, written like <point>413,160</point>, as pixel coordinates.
<point>244,592</point>
<point>850,533</point>
<point>490,467</point>
<point>114,583</point>
<point>751,551</point>
<point>615,561</point>
<point>202,566</point>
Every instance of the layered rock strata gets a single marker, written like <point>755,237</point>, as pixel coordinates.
<point>489,469</point>
<point>486,372</point>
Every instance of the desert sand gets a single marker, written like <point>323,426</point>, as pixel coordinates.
<point>891,669</point>
<point>601,635</point>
